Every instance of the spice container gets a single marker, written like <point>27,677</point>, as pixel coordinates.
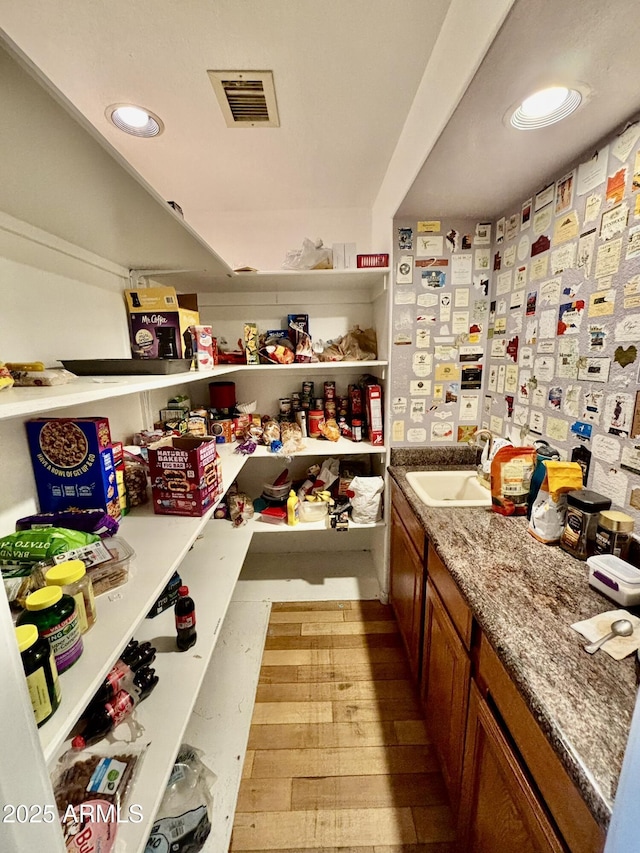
<point>356,430</point>
<point>72,577</point>
<point>583,507</point>
<point>55,616</point>
<point>41,673</point>
<point>613,533</point>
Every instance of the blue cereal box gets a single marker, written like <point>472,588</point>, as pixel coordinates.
<point>73,464</point>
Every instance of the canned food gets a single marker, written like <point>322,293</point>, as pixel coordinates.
<point>318,403</point>
<point>329,409</point>
<point>329,390</point>
<point>285,405</point>
<point>307,389</point>
<point>316,417</point>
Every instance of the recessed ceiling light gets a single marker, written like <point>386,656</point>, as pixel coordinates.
<point>134,120</point>
<point>545,107</point>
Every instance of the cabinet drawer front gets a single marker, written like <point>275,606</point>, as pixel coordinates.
<point>412,525</point>
<point>455,605</point>
<point>563,799</point>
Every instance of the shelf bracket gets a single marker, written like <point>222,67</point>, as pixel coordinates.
<point>138,276</point>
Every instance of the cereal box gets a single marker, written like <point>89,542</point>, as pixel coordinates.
<point>73,464</point>
<point>185,476</point>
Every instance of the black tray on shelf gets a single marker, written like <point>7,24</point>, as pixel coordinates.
<point>126,366</point>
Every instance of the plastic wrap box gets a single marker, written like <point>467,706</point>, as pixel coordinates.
<point>185,476</point>
<point>73,464</point>
<point>153,309</point>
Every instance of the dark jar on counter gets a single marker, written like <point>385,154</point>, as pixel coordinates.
<point>583,507</point>
<point>55,616</point>
<point>40,671</point>
<point>613,533</point>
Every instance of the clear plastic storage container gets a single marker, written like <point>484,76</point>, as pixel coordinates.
<point>312,510</point>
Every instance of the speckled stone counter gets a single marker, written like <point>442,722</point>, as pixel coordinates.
<point>525,596</point>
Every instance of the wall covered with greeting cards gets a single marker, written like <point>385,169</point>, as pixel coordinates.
<point>558,349</point>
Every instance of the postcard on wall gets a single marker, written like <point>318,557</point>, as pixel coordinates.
<point>405,239</point>
<point>525,357</point>
<point>564,193</point>
<point>555,397</point>
<point>524,245</point>
<point>397,431</point>
<point>544,197</point>
<point>432,262</point>
<point>492,381</point>
<point>429,226</point>
<point>402,339</point>
<point>625,141</point>
<point>524,394</point>
<point>539,268</point>
<point>442,431</point>
<point>502,372</point>
<point>517,300</point>
<point>593,369</point>
<point>593,172</point>
<point>568,355</point>
<point>565,228</point>
<point>499,326</point>
<point>570,317</point>
<point>536,423</point>
<point>417,435</point>
<point>399,405</point>
<point>592,208</point>
<point>498,347</point>
<point>461,297</point>
<point>418,410</point>
<point>423,338</point>
<point>586,245</point>
<point>419,387</point>
<point>510,256</point>
<point>572,399</point>
<point>563,258</point>
<point>460,322</point>
<point>483,234</point>
<point>521,276</point>
<point>614,221</point>
<point>428,300</point>
<point>434,279</point>
<point>542,220</point>
<point>500,228</point>
<point>404,297</point>
<point>597,337</point>
<point>453,240</point>
<point>404,270</point>
<point>628,329</point>
<point>544,368</point>
<point>557,429</point>
<point>606,448</point>
<point>445,307</point>
<point>469,406</point>
<point>512,227</point>
<point>422,363</point>
<point>610,482</point>
<point>471,377</point>
<point>482,259</point>
<point>633,243</point>
<point>593,403</point>
<point>630,459</point>
<point>511,378</point>
<point>616,185</point>
<point>525,214</point>
<point>470,352</point>
<point>444,352</point>
<point>608,258</point>
<point>531,331</point>
<point>546,347</point>
<point>601,303</point>
<point>461,269</point>
<point>618,413</point>
<point>503,283</point>
<point>548,323</point>
<point>429,246</point>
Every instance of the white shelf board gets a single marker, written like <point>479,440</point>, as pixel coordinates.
<point>221,718</point>
<point>322,447</point>
<point>257,525</point>
<point>282,281</point>
<point>22,402</point>
<point>160,543</point>
<point>325,366</point>
<point>211,571</point>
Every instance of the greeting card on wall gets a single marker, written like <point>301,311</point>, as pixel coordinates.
<point>564,193</point>
<point>429,246</point>
<point>570,317</point>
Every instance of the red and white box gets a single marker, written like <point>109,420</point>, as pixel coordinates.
<point>373,397</point>
<point>186,476</point>
<point>204,352</point>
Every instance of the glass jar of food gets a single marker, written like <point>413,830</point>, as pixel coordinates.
<point>73,579</point>
<point>613,533</point>
<point>583,507</point>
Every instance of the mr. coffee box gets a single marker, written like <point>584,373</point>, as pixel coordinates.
<point>158,319</point>
<point>73,464</point>
<point>186,476</point>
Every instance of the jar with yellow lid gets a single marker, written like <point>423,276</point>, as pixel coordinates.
<point>613,533</point>
<point>55,616</point>
<point>71,576</point>
<point>40,671</point>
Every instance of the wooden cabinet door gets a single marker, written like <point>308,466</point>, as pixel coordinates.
<point>499,810</point>
<point>446,674</point>
<point>406,590</point>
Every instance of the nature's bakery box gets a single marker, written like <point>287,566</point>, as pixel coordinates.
<point>73,464</point>
<point>185,476</point>
<point>160,308</point>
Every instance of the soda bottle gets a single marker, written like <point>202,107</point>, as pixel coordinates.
<point>106,717</point>
<point>121,675</point>
<point>185,611</point>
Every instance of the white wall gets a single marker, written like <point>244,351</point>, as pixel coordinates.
<point>261,239</point>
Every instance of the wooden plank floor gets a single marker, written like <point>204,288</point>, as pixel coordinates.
<point>339,758</point>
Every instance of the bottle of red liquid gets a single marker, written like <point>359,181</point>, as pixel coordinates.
<point>185,611</point>
<point>121,676</point>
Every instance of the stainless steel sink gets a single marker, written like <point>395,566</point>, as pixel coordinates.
<point>449,488</point>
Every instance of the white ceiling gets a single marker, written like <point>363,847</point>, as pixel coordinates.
<point>346,74</point>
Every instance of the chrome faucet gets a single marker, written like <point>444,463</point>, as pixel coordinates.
<point>483,470</point>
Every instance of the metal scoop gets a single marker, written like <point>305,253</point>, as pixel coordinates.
<point>619,628</point>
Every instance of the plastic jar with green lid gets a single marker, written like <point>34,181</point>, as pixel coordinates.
<point>41,672</point>
<point>55,616</point>
<point>73,579</point>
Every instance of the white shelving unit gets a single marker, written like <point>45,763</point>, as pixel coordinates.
<point>77,219</point>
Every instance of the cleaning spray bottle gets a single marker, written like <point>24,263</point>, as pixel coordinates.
<point>293,508</point>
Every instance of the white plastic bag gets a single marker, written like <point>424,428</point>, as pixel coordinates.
<point>312,256</point>
<point>183,823</point>
<point>367,499</point>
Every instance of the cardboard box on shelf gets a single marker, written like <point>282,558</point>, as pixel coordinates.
<point>73,464</point>
<point>205,347</point>
<point>373,397</point>
<point>158,319</point>
<point>185,476</point>
<point>344,256</point>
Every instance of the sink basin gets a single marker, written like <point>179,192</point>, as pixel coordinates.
<point>449,488</point>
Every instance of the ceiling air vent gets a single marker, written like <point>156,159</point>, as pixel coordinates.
<point>247,98</point>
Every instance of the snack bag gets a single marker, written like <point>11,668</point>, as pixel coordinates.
<point>549,509</point>
<point>511,471</point>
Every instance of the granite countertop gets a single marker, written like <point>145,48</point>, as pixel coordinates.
<point>525,596</point>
